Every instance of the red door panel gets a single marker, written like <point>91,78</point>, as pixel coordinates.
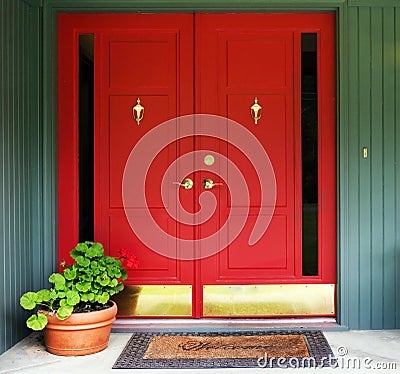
<point>149,61</point>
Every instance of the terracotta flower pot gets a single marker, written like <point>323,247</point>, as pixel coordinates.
<point>81,333</point>
<point>127,300</point>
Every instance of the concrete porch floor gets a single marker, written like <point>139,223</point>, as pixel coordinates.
<point>357,351</point>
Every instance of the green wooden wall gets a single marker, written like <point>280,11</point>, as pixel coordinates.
<point>368,86</point>
<point>372,249</point>
<point>24,258</point>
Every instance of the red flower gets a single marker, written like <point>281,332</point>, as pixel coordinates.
<point>129,260</point>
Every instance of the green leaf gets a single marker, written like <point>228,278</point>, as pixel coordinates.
<point>114,271</point>
<point>103,280</point>
<point>90,296</point>
<point>74,254</point>
<point>96,250</point>
<point>28,300</point>
<point>70,273</point>
<point>82,247</point>
<point>82,261</point>
<point>113,283</point>
<point>64,312</point>
<point>60,295</point>
<point>124,274</point>
<point>37,322</point>
<point>102,298</point>
<point>118,263</point>
<point>116,290</point>
<point>69,285</point>
<point>58,280</point>
<point>43,295</point>
<point>72,297</point>
<point>87,277</point>
<point>83,286</point>
<point>109,260</point>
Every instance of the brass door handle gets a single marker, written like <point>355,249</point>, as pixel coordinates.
<point>208,184</point>
<point>187,183</point>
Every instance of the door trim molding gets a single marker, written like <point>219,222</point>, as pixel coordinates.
<point>193,5</point>
<point>51,9</point>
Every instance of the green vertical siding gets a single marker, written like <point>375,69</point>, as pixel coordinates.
<point>395,146</point>
<point>19,163</point>
<point>389,246</point>
<point>376,163</point>
<point>373,253</point>
<point>350,257</point>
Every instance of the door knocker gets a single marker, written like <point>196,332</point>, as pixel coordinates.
<point>138,112</point>
<point>255,111</point>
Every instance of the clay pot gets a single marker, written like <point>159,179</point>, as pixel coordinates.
<point>127,300</point>
<point>81,333</point>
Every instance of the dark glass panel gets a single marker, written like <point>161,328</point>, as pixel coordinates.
<point>86,141</point>
<point>309,143</point>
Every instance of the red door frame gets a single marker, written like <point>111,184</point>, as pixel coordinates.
<point>68,181</point>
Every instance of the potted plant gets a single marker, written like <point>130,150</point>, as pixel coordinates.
<point>76,313</point>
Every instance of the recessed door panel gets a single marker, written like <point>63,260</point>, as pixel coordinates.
<point>124,133</point>
<point>136,61</point>
<point>272,132</point>
<point>255,53</point>
<point>262,255</point>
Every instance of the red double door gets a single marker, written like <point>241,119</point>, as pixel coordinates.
<point>187,176</point>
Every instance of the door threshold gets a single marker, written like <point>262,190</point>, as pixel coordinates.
<point>219,324</point>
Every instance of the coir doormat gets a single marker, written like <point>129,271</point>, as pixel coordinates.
<point>275,348</point>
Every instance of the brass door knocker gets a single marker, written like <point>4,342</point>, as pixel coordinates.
<point>138,112</point>
<point>255,111</point>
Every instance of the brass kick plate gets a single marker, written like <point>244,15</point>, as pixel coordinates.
<point>155,300</point>
<point>269,300</point>
<point>228,300</point>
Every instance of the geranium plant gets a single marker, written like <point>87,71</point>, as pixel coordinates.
<point>85,285</point>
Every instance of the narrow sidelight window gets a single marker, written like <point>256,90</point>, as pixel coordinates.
<point>86,142</point>
<point>309,143</point>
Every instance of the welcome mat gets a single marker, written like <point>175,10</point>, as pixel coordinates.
<point>277,348</point>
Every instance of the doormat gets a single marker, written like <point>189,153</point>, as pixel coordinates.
<point>277,348</point>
